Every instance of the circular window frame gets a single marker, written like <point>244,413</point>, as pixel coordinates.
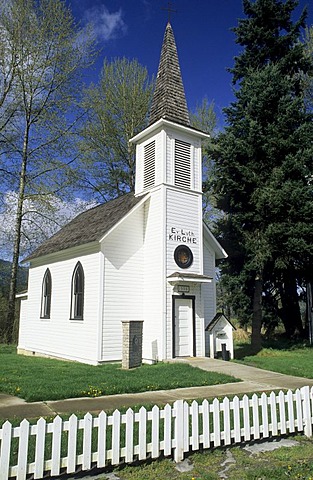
<point>178,251</point>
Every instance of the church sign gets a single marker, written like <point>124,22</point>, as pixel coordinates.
<point>182,235</point>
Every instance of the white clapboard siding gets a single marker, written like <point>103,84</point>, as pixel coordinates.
<point>113,439</point>
<point>59,336</point>
<point>192,222</point>
<point>123,271</point>
<point>153,290</point>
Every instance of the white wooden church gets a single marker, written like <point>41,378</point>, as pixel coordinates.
<point>144,256</point>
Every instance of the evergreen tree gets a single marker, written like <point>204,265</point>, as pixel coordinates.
<point>264,161</point>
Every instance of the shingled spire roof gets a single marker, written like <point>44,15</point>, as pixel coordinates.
<point>169,101</point>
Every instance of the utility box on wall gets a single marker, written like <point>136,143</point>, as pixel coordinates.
<point>132,343</point>
<point>220,341</point>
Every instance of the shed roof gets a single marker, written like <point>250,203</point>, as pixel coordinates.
<point>219,316</point>
<point>89,226</point>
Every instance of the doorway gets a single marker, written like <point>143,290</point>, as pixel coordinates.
<point>184,326</point>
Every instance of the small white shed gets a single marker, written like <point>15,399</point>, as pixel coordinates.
<point>220,332</point>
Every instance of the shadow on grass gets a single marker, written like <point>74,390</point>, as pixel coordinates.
<point>245,349</point>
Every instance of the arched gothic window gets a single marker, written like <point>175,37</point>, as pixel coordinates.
<point>77,304</point>
<point>46,295</point>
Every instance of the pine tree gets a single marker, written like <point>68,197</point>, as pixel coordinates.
<point>264,161</point>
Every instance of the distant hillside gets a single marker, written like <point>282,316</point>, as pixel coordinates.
<point>5,271</point>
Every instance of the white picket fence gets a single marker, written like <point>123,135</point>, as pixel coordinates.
<point>66,446</point>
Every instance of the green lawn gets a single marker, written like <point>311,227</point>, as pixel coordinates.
<point>285,462</point>
<point>294,361</point>
<point>35,378</point>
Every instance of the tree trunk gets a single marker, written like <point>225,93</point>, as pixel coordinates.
<point>256,341</point>
<point>17,240</point>
<point>291,315</point>
<point>309,310</point>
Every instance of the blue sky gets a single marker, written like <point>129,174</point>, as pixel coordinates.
<point>202,28</point>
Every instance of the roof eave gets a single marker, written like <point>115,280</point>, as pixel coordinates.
<point>138,205</point>
<point>163,123</point>
<point>86,248</point>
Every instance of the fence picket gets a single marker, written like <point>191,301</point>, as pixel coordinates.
<point>23,450</point>
<point>155,432</point>
<point>40,448</point>
<point>272,400</point>
<point>179,430</point>
<point>291,415</point>
<point>236,410</point>
<point>255,416</point>
<point>299,418</point>
<point>186,427</point>
<point>216,423</point>
<point>307,416</point>
<point>297,406</point>
<point>116,437</point>
<point>129,437</point>
<point>72,444</point>
<point>311,398</point>
<point>206,423</point>
<point>194,425</point>
<point>88,423</point>
<point>167,430</point>
<point>5,450</point>
<point>142,433</point>
<point>282,413</point>
<point>246,418</point>
<point>264,411</point>
<point>226,427</point>
<point>102,434</point>
<point>56,446</point>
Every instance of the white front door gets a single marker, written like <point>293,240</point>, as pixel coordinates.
<point>183,327</point>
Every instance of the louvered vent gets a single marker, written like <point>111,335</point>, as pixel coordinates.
<point>149,165</point>
<point>182,164</point>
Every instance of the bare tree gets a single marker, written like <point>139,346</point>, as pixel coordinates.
<point>46,52</point>
<point>118,108</point>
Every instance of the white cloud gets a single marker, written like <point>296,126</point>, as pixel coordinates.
<point>107,26</point>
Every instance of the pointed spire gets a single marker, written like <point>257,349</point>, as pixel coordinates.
<point>169,99</point>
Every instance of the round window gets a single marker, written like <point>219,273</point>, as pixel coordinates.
<point>183,256</point>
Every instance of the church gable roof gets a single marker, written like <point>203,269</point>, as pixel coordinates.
<point>169,101</point>
<point>89,226</point>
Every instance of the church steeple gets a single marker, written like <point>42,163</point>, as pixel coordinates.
<point>168,151</point>
<point>169,101</point>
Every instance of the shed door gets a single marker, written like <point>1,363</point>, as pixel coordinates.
<point>183,327</point>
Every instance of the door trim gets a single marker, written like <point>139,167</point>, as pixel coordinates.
<point>193,302</point>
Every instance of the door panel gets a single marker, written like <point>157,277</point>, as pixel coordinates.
<point>183,327</point>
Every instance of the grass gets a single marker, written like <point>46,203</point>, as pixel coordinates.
<point>285,462</point>
<point>42,379</point>
<point>296,360</point>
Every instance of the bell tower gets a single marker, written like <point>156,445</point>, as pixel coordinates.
<point>168,150</point>
<point>169,171</point>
